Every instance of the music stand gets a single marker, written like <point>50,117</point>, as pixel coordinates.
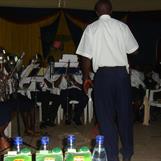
<point>67,63</point>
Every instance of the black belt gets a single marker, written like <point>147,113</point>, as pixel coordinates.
<point>112,67</point>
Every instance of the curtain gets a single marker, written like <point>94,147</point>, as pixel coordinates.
<point>33,31</point>
<point>18,36</point>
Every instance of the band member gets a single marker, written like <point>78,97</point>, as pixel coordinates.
<point>47,95</point>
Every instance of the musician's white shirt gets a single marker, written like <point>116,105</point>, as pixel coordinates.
<point>51,78</point>
<point>77,77</point>
<point>24,79</point>
<point>64,85</point>
<point>28,69</point>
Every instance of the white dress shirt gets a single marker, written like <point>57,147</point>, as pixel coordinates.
<point>156,78</point>
<point>64,84</point>
<point>24,77</point>
<point>107,42</point>
<point>137,78</point>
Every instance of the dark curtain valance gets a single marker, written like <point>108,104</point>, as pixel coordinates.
<point>18,14</point>
<point>25,15</point>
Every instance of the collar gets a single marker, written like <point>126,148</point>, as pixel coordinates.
<point>104,16</point>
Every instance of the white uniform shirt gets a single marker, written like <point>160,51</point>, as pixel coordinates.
<point>28,69</point>
<point>156,78</point>
<point>137,78</point>
<point>51,78</point>
<point>107,41</point>
<point>64,85</point>
<point>25,74</point>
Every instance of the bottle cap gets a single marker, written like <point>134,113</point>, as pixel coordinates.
<point>71,138</point>
<point>18,140</point>
<point>99,139</point>
<point>45,140</point>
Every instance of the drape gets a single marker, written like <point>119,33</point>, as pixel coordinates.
<point>34,30</point>
<point>23,37</point>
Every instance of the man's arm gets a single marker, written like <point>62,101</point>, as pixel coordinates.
<point>135,52</point>
<point>86,69</point>
<point>58,81</point>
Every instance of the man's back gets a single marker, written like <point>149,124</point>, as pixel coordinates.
<point>107,42</point>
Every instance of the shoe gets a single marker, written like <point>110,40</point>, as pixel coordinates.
<point>77,121</point>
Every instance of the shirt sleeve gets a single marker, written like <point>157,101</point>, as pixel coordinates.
<point>85,44</point>
<point>131,43</point>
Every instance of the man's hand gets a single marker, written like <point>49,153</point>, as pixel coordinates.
<point>87,84</point>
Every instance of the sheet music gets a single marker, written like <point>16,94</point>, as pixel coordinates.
<point>70,58</point>
<point>65,64</point>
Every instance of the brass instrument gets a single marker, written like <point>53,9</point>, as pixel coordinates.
<point>7,82</point>
<point>3,78</point>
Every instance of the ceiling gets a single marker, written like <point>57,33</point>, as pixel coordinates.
<point>118,5</point>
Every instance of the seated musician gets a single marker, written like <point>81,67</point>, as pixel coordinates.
<point>71,89</point>
<point>48,96</point>
<point>11,102</point>
<point>21,103</point>
<point>32,68</point>
<point>138,91</point>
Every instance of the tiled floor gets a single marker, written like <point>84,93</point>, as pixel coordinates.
<point>147,138</point>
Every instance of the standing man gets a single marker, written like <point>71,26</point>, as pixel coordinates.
<point>107,42</point>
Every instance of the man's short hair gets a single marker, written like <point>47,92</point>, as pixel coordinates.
<point>106,3</point>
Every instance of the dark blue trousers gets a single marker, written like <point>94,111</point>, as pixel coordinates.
<point>113,103</point>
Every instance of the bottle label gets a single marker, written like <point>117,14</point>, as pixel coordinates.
<point>12,152</point>
<point>50,156</point>
<point>18,157</point>
<point>79,158</point>
<point>49,159</point>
